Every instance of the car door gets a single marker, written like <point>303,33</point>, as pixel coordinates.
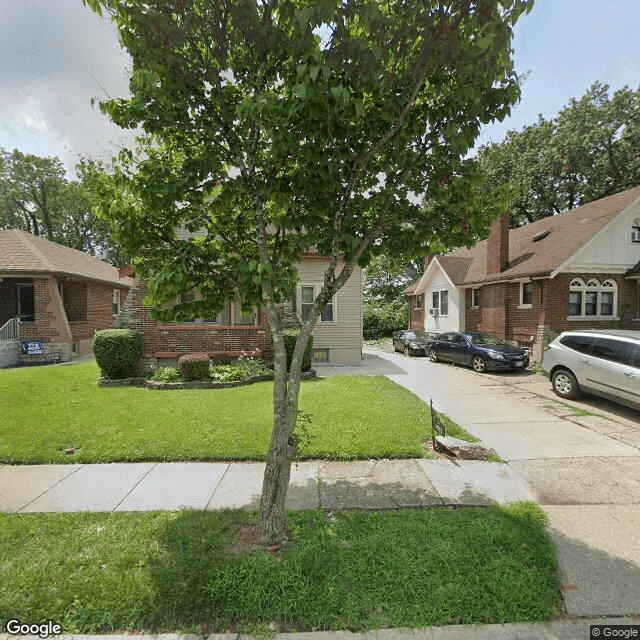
<point>602,367</point>
<point>443,346</point>
<point>630,379</point>
<point>459,351</point>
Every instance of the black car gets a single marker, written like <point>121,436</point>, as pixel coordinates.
<point>412,343</point>
<point>478,350</point>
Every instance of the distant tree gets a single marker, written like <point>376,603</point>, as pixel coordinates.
<point>29,192</point>
<point>282,127</point>
<point>36,196</point>
<point>590,150</point>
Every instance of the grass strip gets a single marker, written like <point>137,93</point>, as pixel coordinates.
<point>177,571</point>
<point>49,410</point>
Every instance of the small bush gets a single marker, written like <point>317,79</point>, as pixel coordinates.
<point>117,352</point>
<point>290,338</point>
<point>166,374</point>
<point>240,370</point>
<point>194,366</point>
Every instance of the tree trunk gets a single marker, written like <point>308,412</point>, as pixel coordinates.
<point>271,528</point>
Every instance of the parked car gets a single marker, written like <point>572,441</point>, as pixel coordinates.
<point>412,343</point>
<point>478,350</point>
<point>603,362</point>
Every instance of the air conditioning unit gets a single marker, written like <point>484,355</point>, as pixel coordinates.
<point>434,311</point>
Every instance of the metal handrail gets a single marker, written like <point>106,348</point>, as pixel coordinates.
<point>10,330</point>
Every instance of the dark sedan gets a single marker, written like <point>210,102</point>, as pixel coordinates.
<point>478,350</point>
<point>412,343</point>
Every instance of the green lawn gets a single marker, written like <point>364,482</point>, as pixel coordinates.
<point>46,410</point>
<point>175,571</point>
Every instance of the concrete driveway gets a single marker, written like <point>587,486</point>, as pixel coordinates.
<point>580,459</point>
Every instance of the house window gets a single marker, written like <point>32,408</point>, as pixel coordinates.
<point>224,318</point>
<point>241,318</point>
<point>26,302</point>
<point>307,298</point>
<point>321,355</point>
<point>418,303</point>
<point>592,299</point>
<point>635,230</point>
<point>444,303</point>
<point>475,298</point>
<point>440,302</point>
<point>116,302</point>
<point>526,295</point>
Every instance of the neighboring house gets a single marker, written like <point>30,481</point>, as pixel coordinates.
<point>337,336</point>
<point>575,270</point>
<point>61,296</point>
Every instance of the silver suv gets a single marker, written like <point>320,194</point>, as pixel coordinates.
<point>605,363</point>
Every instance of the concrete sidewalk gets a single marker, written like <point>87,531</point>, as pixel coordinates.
<point>375,484</point>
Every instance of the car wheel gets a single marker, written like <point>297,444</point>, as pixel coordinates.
<point>433,355</point>
<point>407,351</point>
<point>565,384</point>
<point>478,364</point>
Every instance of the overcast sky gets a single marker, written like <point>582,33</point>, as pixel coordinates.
<point>55,55</point>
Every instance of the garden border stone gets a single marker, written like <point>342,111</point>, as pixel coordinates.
<point>196,384</point>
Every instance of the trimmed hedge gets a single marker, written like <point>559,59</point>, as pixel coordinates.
<point>290,338</point>
<point>194,366</point>
<point>117,352</point>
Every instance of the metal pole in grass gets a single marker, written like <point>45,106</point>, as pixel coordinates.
<point>436,425</point>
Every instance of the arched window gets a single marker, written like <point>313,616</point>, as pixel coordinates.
<point>635,230</point>
<point>593,299</point>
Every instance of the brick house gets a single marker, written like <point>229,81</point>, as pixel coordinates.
<point>337,336</point>
<point>61,295</point>
<point>575,270</point>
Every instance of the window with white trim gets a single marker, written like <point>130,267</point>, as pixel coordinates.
<point>116,302</point>
<point>592,299</point>
<point>635,230</point>
<point>475,298</point>
<point>307,298</point>
<point>418,304</point>
<point>526,295</point>
<point>231,315</point>
<point>440,302</point>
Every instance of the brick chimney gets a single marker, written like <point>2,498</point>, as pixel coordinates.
<point>498,245</point>
<point>427,259</point>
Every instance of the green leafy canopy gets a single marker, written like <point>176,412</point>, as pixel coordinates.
<point>278,127</point>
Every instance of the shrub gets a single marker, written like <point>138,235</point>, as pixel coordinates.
<point>290,337</point>
<point>117,352</point>
<point>380,318</point>
<point>194,366</point>
<point>166,374</point>
<point>240,370</point>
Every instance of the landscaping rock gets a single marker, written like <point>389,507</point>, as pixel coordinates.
<point>463,449</point>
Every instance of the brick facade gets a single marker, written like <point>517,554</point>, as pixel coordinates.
<point>416,316</point>
<point>67,313</point>
<point>164,342</point>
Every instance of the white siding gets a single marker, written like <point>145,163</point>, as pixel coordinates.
<point>343,337</point>
<point>609,251</point>
<point>455,316</point>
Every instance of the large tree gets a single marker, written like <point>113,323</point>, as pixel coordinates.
<point>275,128</point>
<point>590,150</point>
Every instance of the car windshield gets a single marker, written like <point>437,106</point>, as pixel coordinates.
<point>483,339</point>
<point>420,335</point>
